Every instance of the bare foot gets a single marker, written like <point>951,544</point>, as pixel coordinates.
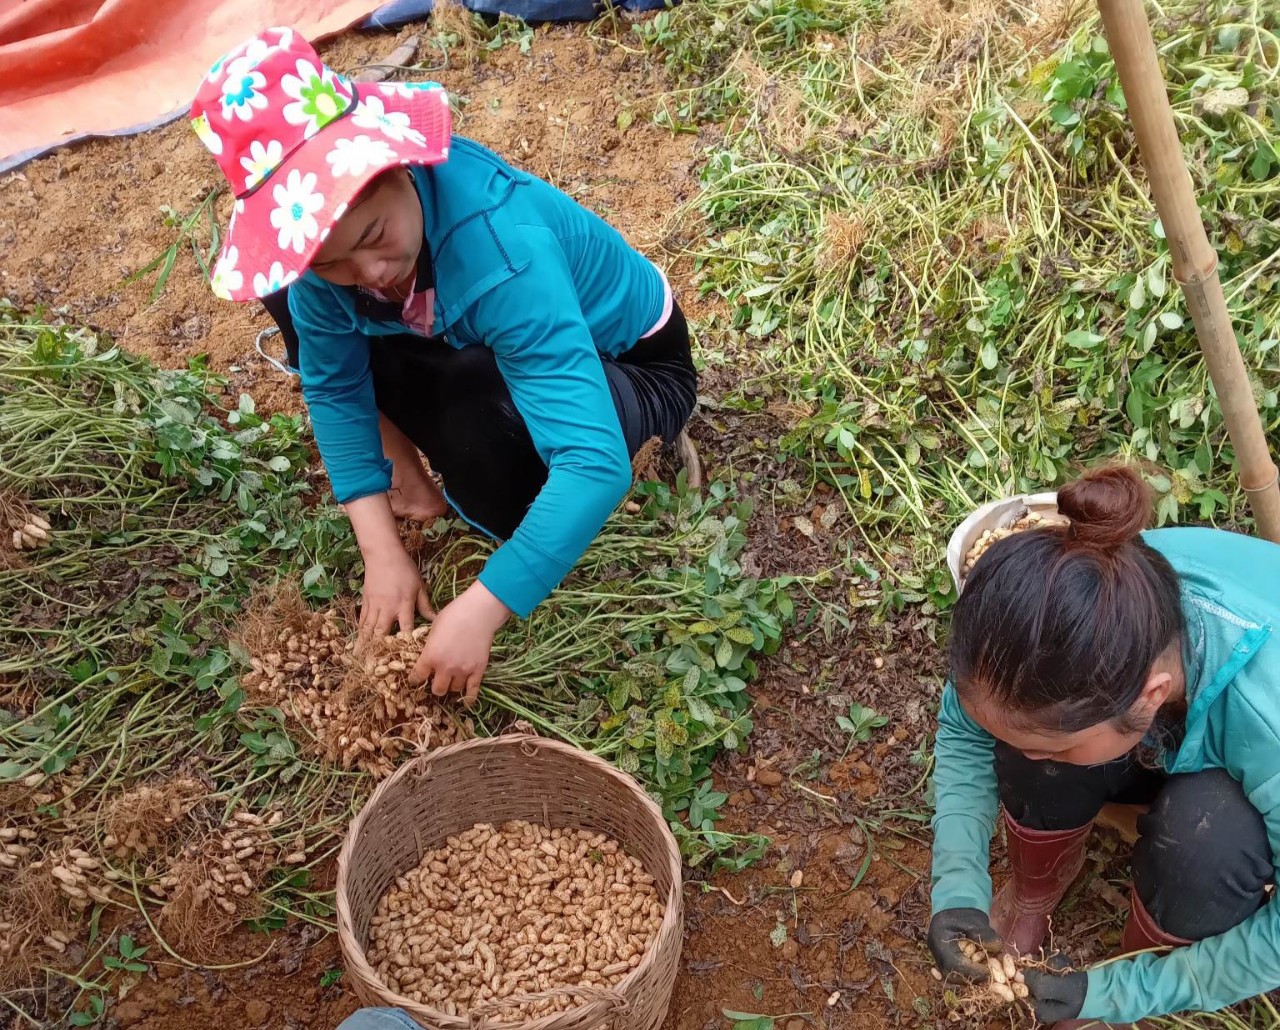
<point>420,500</point>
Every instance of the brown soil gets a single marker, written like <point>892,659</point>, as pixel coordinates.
<point>827,953</point>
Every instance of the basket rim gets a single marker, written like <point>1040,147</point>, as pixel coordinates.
<point>353,951</point>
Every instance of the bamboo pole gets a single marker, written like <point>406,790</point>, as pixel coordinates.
<point>1195,262</point>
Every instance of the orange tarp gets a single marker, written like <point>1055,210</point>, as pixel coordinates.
<point>75,68</point>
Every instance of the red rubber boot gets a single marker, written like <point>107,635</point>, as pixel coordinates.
<point>1044,863</point>
<point>1140,934</point>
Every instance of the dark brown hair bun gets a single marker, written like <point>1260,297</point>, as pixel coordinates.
<point>1107,507</point>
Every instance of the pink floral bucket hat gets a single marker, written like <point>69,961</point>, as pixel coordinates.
<point>297,141</point>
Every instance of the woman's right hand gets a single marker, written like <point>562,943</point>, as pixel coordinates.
<point>393,587</point>
<point>948,928</point>
<point>393,591</point>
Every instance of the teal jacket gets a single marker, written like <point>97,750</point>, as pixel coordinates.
<point>548,287</point>
<point>1231,602</point>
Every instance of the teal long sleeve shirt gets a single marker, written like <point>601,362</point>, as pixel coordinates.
<point>549,287</point>
<point>1231,603</point>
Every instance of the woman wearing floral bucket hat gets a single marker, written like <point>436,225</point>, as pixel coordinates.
<point>435,299</point>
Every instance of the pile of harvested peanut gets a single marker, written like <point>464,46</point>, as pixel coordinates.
<point>143,820</point>
<point>989,537</point>
<point>46,884</point>
<point>30,532</point>
<point>224,867</point>
<point>75,870</point>
<point>498,913</point>
<point>358,703</point>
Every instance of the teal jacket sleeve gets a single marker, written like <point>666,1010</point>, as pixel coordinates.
<point>545,352</point>
<point>965,807</point>
<point>336,383</point>
<point>1244,961</point>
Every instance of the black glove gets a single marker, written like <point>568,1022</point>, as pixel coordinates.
<point>1055,995</point>
<point>948,928</point>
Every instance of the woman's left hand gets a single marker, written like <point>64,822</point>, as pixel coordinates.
<point>1056,996</point>
<point>457,649</point>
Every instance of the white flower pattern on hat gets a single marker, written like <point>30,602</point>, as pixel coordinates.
<point>356,155</point>
<point>316,101</point>
<point>295,215</point>
<point>262,161</point>
<point>372,113</point>
<point>246,58</point>
<point>242,93</point>
<point>275,279</point>
<point>226,277</point>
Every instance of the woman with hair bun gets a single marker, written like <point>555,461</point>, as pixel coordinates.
<point>1093,662</point>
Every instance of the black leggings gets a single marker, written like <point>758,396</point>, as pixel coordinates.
<point>1202,862</point>
<point>456,408</point>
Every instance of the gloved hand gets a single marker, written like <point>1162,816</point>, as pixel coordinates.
<point>1056,994</point>
<point>948,928</point>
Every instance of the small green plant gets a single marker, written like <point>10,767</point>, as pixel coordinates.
<point>509,30</point>
<point>748,1020</point>
<point>204,243</point>
<point>859,722</point>
<point>330,977</point>
<point>753,1021</point>
<point>130,958</point>
<point>91,1014</point>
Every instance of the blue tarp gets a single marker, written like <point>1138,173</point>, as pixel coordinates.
<point>400,11</point>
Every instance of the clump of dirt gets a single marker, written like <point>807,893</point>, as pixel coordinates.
<point>355,699</point>
<point>645,463</point>
<point>149,818</point>
<point>451,19</point>
<point>214,884</point>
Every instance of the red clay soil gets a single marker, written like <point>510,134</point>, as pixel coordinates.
<point>827,953</point>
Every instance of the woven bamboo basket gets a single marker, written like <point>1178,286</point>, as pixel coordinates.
<point>493,780</point>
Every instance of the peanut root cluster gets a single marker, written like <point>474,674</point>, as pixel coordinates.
<point>1004,986</point>
<point>223,869</point>
<point>358,703</point>
<point>499,913</point>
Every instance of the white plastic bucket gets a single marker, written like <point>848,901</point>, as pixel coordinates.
<point>993,515</point>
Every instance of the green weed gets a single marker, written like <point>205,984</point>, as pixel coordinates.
<point>933,244</point>
<point>198,230</point>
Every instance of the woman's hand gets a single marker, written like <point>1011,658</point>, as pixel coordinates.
<point>393,591</point>
<point>1056,995</point>
<point>457,649</point>
<point>951,926</point>
<point>393,587</point>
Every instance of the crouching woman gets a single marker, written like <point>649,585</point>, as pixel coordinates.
<point>438,301</point>
<point>1096,663</point>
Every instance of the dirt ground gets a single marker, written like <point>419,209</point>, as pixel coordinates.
<point>74,225</point>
